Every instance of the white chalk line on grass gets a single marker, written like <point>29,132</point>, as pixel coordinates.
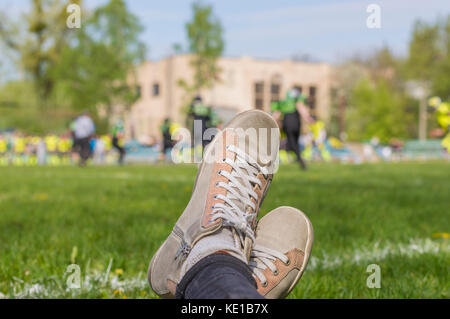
<point>364,256</point>
<point>88,283</point>
<point>359,256</point>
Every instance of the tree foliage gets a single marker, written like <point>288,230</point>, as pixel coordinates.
<point>429,55</point>
<point>75,69</point>
<point>40,43</point>
<point>377,110</point>
<point>95,69</point>
<point>378,104</point>
<point>206,44</point>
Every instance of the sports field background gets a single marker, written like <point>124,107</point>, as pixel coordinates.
<point>110,220</point>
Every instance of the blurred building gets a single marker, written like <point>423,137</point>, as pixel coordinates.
<point>245,83</point>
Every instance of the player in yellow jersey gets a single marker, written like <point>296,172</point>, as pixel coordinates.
<point>443,117</point>
<point>3,151</point>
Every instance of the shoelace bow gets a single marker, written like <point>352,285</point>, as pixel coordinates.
<point>263,258</point>
<point>239,187</point>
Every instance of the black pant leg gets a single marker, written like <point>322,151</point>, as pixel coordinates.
<point>115,143</point>
<point>218,276</point>
<point>291,126</point>
<point>85,149</point>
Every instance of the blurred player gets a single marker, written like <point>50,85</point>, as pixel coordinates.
<point>443,117</point>
<point>3,151</point>
<point>319,137</point>
<point>291,108</point>
<point>64,146</point>
<point>84,129</point>
<point>118,133</point>
<point>167,128</point>
<point>51,142</point>
<point>19,145</point>
<point>166,138</point>
<point>201,114</point>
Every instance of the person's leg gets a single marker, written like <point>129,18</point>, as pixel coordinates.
<point>121,154</point>
<point>84,150</point>
<point>293,134</point>
<point>197,141</point>
<point>121,151</point>
<point>218,276</point>
<point>197,131</point>
<point>167,145</point>
<point>205,142</point>
<point>298,153</point>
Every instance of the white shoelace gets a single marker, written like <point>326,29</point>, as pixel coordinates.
<point>263,258</point>
<point>239,187</point>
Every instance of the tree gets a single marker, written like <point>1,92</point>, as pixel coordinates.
<point>205,42</point>
<point>377,109</point>
<point>441,77</point>
<point>346,76</point>
<point>73,69</point>
<point>97,68</point>
<point>39,45</point>
<point>423,51</point>
<point>429,56</point>
<point>371,99</point>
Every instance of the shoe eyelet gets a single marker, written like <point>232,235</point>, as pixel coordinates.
<point>216,184</point>
<point>275,273</point>
<point>215,197</point>
<point>264,284</point>
<point>288,262</point>
<point>219,172</point>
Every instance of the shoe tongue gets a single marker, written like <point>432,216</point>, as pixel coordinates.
<point>246,247</point>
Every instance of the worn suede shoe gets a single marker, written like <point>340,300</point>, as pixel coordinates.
<point>231,183</point>
<point>284,239</point>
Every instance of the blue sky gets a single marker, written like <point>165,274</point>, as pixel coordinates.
<point>327,30</point>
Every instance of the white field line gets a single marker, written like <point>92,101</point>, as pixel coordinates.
<point>359,256</point>
<point>366,256</point>
<point>88,283</point>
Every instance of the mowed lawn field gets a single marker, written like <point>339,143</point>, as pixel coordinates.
<point>110,220</point>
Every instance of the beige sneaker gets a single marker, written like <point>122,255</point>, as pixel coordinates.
<point>231,183</point>
<point>284,239</point>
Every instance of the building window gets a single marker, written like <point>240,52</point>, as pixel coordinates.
<point>312,97</point>
<point>274,92</point>
<point>259,95</point>
<point>155,89</point>
<point>138,91</point>
<point>299,88</point>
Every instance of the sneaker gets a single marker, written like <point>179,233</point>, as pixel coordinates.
<point>284,239</point>
<point>230,186</point>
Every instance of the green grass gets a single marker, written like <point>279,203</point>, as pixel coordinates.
<point>114,218</point>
